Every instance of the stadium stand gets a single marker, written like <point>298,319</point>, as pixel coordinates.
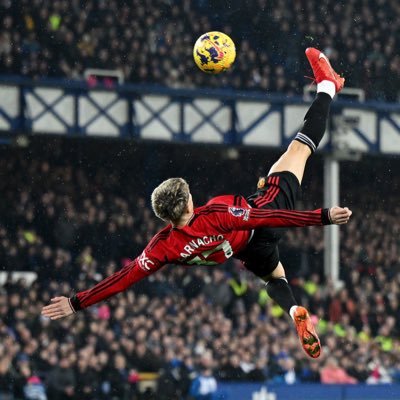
<point>73,213</point>
<point>151,42</point>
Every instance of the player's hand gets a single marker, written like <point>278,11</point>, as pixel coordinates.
<point>339,215</point>
<point>60,307</point>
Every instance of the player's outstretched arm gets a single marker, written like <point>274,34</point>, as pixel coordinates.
<point>238,218</point>
<point>121,280</point>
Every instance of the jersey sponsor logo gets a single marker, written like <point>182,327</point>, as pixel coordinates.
<point>145,263</point>
<point>240,212</point>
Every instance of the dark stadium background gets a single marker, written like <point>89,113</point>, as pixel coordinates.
<point>75,209</point>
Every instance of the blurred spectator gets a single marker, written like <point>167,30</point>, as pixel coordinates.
<point>217,290</point>
<point>166,324</point>
<point>332,373</point>
<point>6,378</point>
<point>34,389</point>
<point>310,373</point>
<point>379,373</point>
<point>232,371</point>
<point>204,385</point>
<point>175,379</point>
<point>62,381</point>
<point>151,42</point>
<point>259,373</point>
<point>120,380</point>
<point>285,372</point>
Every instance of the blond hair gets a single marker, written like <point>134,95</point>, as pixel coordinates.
<point>170,199</point>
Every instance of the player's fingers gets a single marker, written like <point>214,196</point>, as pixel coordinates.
<point>51,307</point>
<point>347,211</point>
<point>342,215</point>
<point>341,219</point>
<point>53,310</point>
<point>51,314</point>
<point>48,313</point>
<point>337,217</point>
<point>343,211</point>
<point>337,211</point>
<point>48,310</point>
<point>56,299</point>
<point>57,316</point>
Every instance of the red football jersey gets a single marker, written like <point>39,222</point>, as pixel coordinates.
<point>216,232</point>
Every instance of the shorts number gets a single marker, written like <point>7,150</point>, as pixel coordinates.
<point>225,246</point>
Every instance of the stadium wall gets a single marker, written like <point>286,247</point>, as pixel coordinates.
<point>199,116</point>
<point>256,391</point>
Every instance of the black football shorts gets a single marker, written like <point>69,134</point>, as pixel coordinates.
<point>279,190</point>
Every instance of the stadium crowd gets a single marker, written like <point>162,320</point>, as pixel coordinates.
<point>151,41</point>
<point>74,216</point>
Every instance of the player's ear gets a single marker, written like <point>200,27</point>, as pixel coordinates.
<point>189,205</point>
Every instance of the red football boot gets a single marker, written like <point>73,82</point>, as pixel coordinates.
<point>306,331</point>
<point>322,68</point>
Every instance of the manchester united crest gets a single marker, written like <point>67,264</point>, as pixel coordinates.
<point>261,183</point>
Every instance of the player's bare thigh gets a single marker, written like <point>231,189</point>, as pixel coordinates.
<point>278,272</point>
<point>294,160</point>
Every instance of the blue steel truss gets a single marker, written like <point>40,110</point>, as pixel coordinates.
<point>218,116</point>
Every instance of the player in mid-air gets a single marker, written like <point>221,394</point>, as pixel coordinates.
<point>232,226</point>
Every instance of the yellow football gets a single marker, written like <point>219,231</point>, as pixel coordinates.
<point>214,52</point>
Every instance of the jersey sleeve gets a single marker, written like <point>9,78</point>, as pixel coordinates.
<point>246,218</point>
<point>141,267</point>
